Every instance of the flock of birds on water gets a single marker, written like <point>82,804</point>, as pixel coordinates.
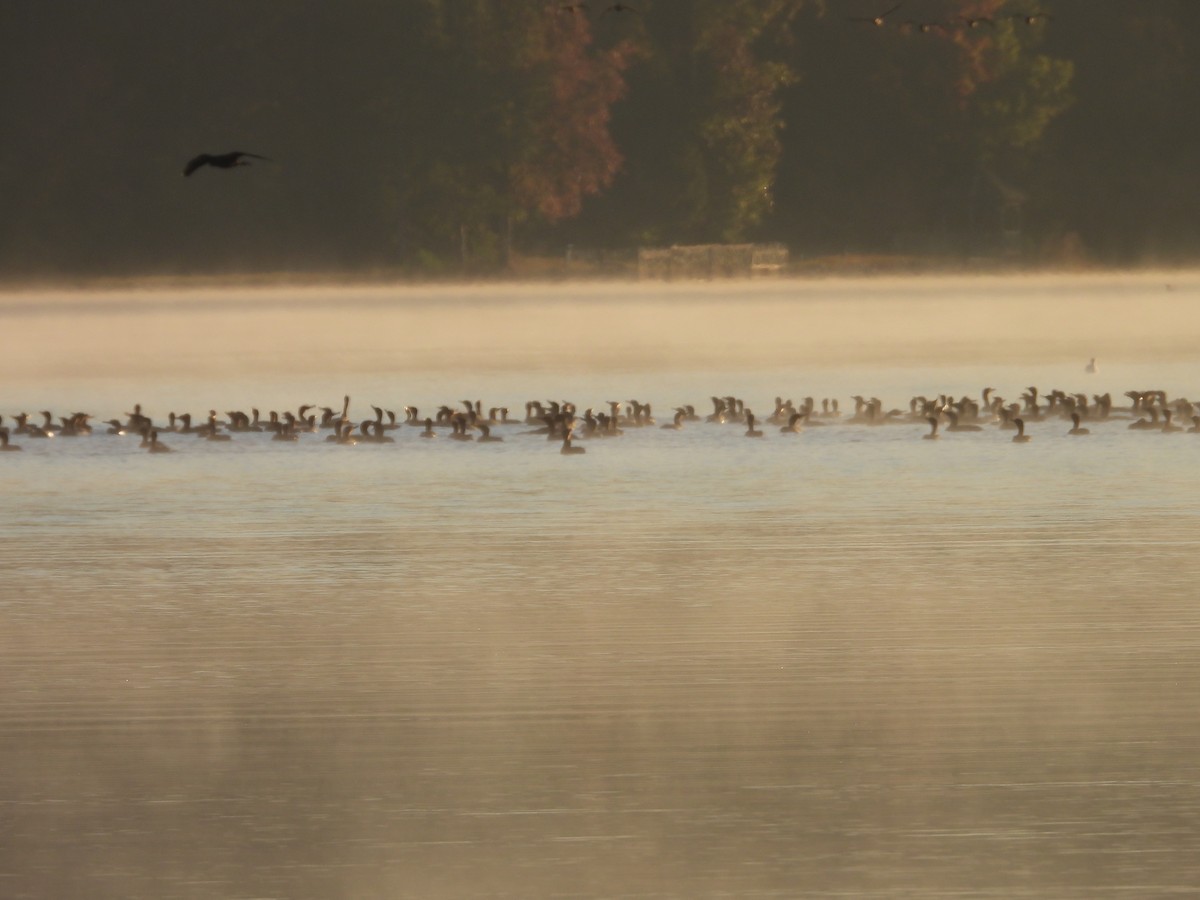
<point>561,422</point>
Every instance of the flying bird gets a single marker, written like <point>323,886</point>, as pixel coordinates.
<point>877,21</point>
<point>923,27</point>
<point>221,160</point>
<point>1031,18</point>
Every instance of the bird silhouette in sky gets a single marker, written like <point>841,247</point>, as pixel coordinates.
<point>923,27</point>
<point>1031,18</point>
<point>877,21</point>
<point>221,160</point>
<point>977,22</point>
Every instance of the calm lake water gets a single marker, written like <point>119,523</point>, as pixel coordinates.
<point>844,663</point>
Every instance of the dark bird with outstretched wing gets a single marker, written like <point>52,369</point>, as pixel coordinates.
<point>221,160</point>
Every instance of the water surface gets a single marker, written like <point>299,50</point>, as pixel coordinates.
<point>845,663</point>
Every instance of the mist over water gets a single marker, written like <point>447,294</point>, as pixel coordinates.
<point>848,662</point>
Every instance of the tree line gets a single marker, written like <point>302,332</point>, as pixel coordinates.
<point>448,135</point>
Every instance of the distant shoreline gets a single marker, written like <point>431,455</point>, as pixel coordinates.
<point>543,271</point>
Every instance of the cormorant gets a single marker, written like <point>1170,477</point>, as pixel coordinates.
<point>221,160</point>
<point>877,21</point>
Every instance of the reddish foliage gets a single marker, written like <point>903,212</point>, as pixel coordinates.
<point>975,44</point>
<point>571,153</point>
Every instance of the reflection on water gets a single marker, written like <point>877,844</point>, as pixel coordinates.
<point>843,663</point>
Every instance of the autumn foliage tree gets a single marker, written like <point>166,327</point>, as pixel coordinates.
<point>525,133</point>
<point>701,128</point>
<point>741,133</point>
<point>902,135</point>
<point>568,152</point>
<point>434,135</point>
<point>1011,90</point>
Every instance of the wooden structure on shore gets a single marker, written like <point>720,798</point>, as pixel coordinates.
<point>710,261</point>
